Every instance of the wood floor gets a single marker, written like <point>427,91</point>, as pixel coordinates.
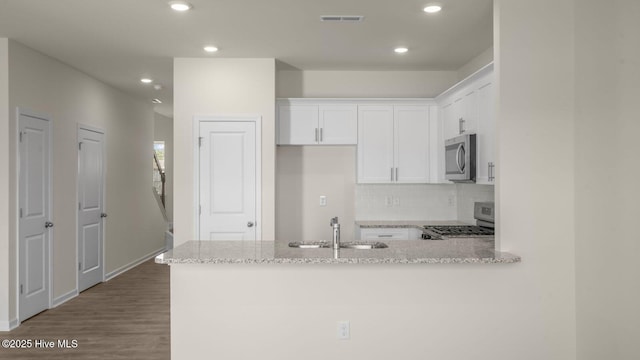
<point>125,318</point>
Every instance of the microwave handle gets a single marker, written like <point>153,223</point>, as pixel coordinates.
<point>460,167</point>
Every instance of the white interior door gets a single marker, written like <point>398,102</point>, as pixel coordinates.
<point>90,208</point>
<point>228,179</point>
<point>35,216</point>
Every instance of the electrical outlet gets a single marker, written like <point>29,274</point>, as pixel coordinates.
<point>396,201</point>
<point>323,200</point>
<point>344,330</point>
<point>452,200</point>
<point>388,201</point>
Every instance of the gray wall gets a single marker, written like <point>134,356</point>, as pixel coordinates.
<point>607,243</point>
<point>221,87</point>
<point>135,227</point>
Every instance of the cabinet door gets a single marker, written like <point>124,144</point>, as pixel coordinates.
<point>375,144</point>
<point>411,155</point>
<point>338,124</point>
<point>469,112</point>
<point>486,134</point>
<point>298,124</point>
<point>450,120</point>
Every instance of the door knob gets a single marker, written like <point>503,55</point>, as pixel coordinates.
<point>250,224</point>
<point>48,224</point>
<point>103,215</point>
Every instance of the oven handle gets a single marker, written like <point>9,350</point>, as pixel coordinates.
<point>460,168</point>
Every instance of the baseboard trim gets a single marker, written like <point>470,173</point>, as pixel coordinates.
<point>133,264</point>
<point>9,325</point>
<point>64,298</point>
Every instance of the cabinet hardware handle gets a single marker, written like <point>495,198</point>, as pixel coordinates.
<point>321,134</point>
<point>316,134</point>
<point>391,174</point>
<point>389,235</point>
<point>396,174</point>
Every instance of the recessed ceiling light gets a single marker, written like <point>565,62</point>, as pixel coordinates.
<point>146,80</point>
<point>401,50</point>
<point>210,49</point>
<point>156,101</point>
<point>157,87</point>
<point>180,5</point>
<point>432,8</point>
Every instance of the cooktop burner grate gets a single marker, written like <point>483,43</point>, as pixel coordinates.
<point>460,230</point>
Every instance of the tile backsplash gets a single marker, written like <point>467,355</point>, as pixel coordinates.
<point>419,201</point>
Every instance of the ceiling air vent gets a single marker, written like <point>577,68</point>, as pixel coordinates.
<point>346,18</point>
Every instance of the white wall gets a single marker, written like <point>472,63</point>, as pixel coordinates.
<point>363,84</point>
<point>535,169</point>
<point>606,186</point>
<point>163,131</point>
<point>303,174</point>
<point>221,87</point>
<point>476,63</point>
<point>134,228</point>
<point>7,247</point>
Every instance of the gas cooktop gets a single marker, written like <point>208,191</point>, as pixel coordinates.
<point>456,231</point>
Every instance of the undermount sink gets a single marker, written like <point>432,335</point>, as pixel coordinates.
<point>309,244</point>
<point>359,245</point>
<point>363,245</point>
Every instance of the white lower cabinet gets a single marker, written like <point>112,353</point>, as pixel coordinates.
<point>381,234</point>
<point>393,144</point>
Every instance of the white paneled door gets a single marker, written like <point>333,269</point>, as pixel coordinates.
<point>228,180</point>
<point>90,207</point>
<point>35,215</point>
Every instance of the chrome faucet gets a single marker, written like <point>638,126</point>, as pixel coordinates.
<point>336,236</point>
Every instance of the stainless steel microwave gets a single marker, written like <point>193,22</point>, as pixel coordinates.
<point>460,158</point>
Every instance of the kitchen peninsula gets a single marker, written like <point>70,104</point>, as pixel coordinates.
<point>224,292</point>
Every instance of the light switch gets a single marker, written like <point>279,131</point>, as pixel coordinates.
<point>452,200</point>
<point>323,200</point>
<point>388,201</point>
<point>396,201</point>
<point>344,331</point>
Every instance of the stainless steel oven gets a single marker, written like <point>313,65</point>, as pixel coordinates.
<point>460,158</point>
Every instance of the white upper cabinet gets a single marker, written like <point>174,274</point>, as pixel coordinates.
<point>338,124</point>
<point>375,144</point>
<point>393,144</point>
<point>469,107</point>
<point>460,113</point>
<point>298,124</point>
<point>411,152</point>
<point>486,132</point>
<point>317,124</point>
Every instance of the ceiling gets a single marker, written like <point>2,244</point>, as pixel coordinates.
<point>120,41</point>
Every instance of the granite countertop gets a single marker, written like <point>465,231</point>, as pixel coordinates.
<point>404,224</point>
<point>449,251</point>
